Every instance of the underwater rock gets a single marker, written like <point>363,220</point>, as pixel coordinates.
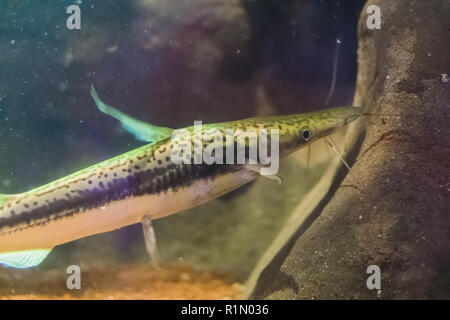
<point>391,209</point>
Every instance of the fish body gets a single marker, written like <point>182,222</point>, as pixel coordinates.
<point>112,194</point>
<point>145,181</point>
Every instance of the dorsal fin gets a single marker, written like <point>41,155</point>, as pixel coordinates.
<point>142,131</point>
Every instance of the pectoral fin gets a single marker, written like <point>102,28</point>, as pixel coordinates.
<point>257,168</point>
<point>142,131</point>
<point>23,259</point>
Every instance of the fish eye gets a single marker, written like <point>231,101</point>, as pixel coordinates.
<point>306,134</point>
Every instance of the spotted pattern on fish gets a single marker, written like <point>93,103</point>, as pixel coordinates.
<point>149,170</point>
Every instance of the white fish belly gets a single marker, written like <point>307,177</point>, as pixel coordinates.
<point>121,213</point>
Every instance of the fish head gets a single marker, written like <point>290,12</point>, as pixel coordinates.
<point>298,130</point>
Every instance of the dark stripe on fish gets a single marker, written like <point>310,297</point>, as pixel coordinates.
<point>148,182</point>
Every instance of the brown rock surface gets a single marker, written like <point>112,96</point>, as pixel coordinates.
<point>392,208</point>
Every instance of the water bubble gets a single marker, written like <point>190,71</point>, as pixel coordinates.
<point>63,86</point>
<point>112,49</point>
<point>6,182</point>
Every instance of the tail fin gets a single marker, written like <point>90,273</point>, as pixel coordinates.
<point>23,259</point>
